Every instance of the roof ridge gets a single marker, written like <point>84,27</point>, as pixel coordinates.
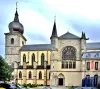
<point>71,35</point>
<point>37,44</point>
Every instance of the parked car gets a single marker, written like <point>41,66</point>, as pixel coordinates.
<point>47,87</point>
<point>85,88</point>
<point>20,87</point>
<point>8,86</point>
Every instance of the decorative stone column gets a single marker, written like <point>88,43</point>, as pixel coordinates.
<point>45,73</point>
<point>34,73</point>
<point>24,74</point>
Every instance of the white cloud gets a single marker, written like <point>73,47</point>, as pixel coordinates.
<point>87,8</point>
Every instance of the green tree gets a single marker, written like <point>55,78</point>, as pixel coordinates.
<point>5,71</point>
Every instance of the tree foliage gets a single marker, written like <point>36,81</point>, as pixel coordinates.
<point>5,71</point>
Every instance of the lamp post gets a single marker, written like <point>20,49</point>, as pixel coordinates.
<point>46,71</point>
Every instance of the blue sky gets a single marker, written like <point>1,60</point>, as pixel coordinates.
<point>37,17</point>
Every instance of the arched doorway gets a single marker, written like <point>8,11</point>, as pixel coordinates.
<point>61,80</point>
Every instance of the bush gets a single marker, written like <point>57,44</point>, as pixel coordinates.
<point>31,85</point>
<point>24,85</point>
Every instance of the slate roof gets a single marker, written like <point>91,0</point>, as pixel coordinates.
<point>37,47</point>
<point>40,47</point>
<point>92,46</point>
<point>91,55</point>
<point>69,35</point>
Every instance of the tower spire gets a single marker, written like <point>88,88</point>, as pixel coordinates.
<point>16,19</point>
<point>54,31</point>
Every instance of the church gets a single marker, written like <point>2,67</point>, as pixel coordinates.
<point>66,61</point>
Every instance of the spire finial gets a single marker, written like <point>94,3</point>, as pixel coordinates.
<point>16,5</point>
<point>16,15</point>
<point>55,18</point>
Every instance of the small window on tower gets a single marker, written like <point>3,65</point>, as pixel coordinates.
<point>12,40</point>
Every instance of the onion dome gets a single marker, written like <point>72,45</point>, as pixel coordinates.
<point>16,25</point>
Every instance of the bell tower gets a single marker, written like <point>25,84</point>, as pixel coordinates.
<point>14,40</point>
<point>54,53</point>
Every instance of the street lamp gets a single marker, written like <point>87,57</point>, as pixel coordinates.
<point>46,71</point>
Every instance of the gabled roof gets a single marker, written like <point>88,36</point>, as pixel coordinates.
<point>69,35</point>
<point>37,47</point>
<point>91,46</point>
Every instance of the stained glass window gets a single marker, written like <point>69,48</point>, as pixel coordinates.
<point>30,75</point>
<point>42,59</point>
<point>70,64</point>
<point>24,58</point>
<point>74,64</point>
<point>40,75</point>
<point>33,58</point>
<point>62,64</point>
<point>66,64</point>
<point>20,74</point>
<point>69,52</point>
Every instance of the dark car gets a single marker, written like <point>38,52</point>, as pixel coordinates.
<point>8,86</point>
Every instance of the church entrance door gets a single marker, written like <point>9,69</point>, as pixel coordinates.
<point>60,81</point>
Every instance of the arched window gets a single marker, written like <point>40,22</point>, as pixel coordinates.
<point>24,58</point>
<point>20,74</point>
<point>74,64</point>
<point>66,64</point>
<point>30,75</point>
<point>63,64</point>
<point>12,40</point>
<point>42,59</point>
<point>40,75</point>
<point>69,52</point>
<point>33,58</point>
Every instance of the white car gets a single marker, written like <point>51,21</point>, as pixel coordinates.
<point>85,88</point>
